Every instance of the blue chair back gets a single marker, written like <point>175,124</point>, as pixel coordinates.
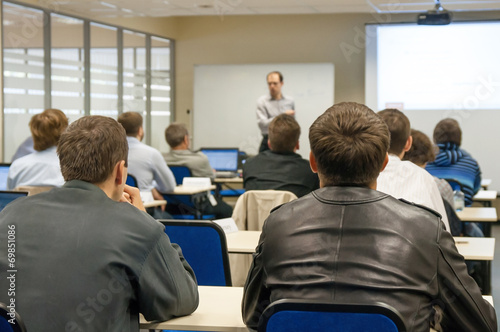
<point>180,172</point>
<point>131,181</point>
<point>204,246</point>
<point>296,315</point>
<point>184,201</point>
<point>5,326</point>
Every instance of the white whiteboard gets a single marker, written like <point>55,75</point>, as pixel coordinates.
<point>225,101</point>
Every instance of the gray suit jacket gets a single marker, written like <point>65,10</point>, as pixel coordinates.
<point>87,263</point>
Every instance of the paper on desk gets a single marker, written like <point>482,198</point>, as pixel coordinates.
<point>147,196</point>
<point>227,224</point>
<point>196,182</point>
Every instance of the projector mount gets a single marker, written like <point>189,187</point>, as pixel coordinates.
<point>436,16</point>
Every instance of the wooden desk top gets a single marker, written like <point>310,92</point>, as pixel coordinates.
<point>154,203</point>
<point>472,248</point>
<point>476,248</point>
<point>182,190</point>
<point>485,195</point>
<point>476,214</point>
<point>242,242</point>
<point>229,180</point>
<point>219,310</point>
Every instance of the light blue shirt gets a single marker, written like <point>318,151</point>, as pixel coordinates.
<point>147,165</point>
<point>40,168</point>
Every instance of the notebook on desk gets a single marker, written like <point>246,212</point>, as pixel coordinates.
<point>8,196</point>
<point>4,172</point>
<point>223,160</point>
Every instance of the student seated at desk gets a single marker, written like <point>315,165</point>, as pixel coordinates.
<point>421,153</point>
<point>452,162</point>
<point>146,163</point>
<point>280,167</point>
<point>90,258</point>
<point>404,179</point>
<point>177,137</point>
<point>349,243</point>
<point>40,168</point>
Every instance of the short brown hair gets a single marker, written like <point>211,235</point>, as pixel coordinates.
<point>448,130</point>
<point>284,133</point>
<point>349,142</point>
<point>175,133</point>
<point>131,121</point>
<point>422,150</point>
<point>47,127</point>
<point>90,149</point>
<point>399,127</point>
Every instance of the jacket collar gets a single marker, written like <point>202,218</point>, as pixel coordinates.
<point>348,195</point>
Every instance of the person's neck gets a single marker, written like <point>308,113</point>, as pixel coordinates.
<point>180,147</point>
<point>109,189</point>
<point>400,156</point>
<point>278,96</point>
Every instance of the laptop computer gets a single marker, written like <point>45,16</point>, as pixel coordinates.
<point>4,172</point>
<point>8,196</point>
<point>223,160</point>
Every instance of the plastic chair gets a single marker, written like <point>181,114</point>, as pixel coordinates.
<point>8,196</point>
<point>297,315</point>
<point>187,204</point>
<point>131,181</point>
<point>204,246</point>
<point>180,172</point>
<point>18,325</point>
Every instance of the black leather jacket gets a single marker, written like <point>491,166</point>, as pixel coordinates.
<point>357,245</point>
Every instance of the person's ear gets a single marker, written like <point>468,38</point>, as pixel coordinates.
<point>141,133</point>
<point>186,140</point>
<point>120,173</point>
<point>312,163</point>
<point>269,144</point>
<point>386,161</point>
<point>408,144</point>
<point>297,146</point>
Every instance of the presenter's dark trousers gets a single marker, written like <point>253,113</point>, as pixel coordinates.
<point>263,143</point>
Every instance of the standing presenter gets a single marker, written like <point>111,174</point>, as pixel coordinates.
<point>272,105</point>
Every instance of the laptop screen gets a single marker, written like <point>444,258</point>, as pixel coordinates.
<point>4,172</point>
<point>8,196</point>
<point>222,159</point>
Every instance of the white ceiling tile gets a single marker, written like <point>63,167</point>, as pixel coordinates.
<point>159,8</point>
<point>283,10</point>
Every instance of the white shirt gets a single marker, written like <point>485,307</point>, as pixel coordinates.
<point>40,168</point>
<point>147,165</point>
<point>404,179</point>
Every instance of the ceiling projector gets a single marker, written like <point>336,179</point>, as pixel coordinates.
<point>436,16</point>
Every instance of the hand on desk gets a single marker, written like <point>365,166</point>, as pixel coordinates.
<point>132,195</point>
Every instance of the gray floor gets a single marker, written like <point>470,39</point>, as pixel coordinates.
<point>495,271</point>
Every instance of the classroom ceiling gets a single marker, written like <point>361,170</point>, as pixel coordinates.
<point>169,8</point>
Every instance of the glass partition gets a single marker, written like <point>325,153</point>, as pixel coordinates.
<point>160,92</point>
<point>23,72</point>
<point>48,57</point>
<point>103,70</point>
<point>68,76</point>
